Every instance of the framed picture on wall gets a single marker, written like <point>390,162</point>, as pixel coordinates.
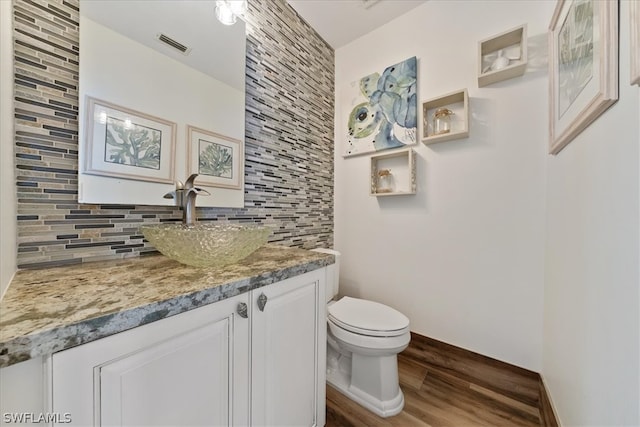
<point>123,143</point>
<point>634,14</point>
<point>583,66</point>
<point>216,158</point>
<point>383,110</point>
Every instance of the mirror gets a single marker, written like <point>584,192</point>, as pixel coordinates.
<point>161,97</point>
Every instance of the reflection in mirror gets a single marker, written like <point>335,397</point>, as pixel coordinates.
<point>149,71</point>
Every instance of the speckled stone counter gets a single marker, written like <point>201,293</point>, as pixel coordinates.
<point>49,310</point>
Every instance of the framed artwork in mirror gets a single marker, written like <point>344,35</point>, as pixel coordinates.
<point>124,143</point>
<point>634,13</point>
<point>583,66</point>
<point>216,158</point>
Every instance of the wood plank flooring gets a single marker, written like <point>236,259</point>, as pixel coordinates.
<point>444,385</point>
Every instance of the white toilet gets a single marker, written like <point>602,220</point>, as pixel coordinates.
<point>364,338</point>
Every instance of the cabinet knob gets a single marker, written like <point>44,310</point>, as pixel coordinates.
<point>262,301</point>
<point>242,310</point>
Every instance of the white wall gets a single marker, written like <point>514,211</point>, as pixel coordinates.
<point>7,175</point>
<point>530,258</point>
<point>464,258</point>
<point>591,318</point>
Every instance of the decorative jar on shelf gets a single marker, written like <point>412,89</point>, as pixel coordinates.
<point>385,181</point>
<point>500,62</point>
<point>442,121</point>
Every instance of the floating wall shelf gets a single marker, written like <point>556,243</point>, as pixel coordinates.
<point>458,102</point>
<point>394,173</point>
<point>503,56</point>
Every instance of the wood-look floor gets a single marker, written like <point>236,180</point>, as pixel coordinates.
<point>438,395</point>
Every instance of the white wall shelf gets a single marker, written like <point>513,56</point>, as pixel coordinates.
<point>398,169</point>
<point>458,102</point>
<point>503,56</point>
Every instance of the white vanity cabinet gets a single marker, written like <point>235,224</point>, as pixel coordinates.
<point>288,363</point>
<point>208,366</point>
<point>188,369</point>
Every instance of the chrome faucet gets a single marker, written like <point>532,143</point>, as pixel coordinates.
<point>185,197</point>
<point>189,200</point>
<point>176,194</point>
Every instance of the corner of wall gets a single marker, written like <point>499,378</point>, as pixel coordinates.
<point>548,411</point>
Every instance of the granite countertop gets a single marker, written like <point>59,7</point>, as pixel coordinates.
<point>49,310</point>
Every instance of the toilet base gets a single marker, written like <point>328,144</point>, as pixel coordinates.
<point>339,376</point>
<point>387,408</point>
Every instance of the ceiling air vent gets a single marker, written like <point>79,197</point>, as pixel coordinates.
<point>174,44</point>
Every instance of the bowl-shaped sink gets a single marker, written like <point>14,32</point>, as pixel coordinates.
<point>206,244</point>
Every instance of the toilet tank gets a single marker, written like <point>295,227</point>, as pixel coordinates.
<point>333,273</point>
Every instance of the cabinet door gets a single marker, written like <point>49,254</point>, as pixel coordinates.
<point>288,352</point>
<point>189,369</point>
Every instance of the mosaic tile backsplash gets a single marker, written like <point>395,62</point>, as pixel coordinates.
<point>288,140</point>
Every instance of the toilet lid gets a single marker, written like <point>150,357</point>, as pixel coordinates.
<point>367,317</point>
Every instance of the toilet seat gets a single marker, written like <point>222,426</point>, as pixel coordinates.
<point>368,318</point>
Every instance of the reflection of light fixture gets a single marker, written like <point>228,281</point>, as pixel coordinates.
<point>101,117</point>
<point>128,124</point>
<point>227,11</point>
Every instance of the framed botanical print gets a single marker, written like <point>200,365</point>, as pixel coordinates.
<point>124,143</point>
<point>583,66</point>
<point>217,159</point>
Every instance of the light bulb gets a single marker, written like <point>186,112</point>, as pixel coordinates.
<point>238,7</point>
<point>102,117</point>
<point>224,13</point>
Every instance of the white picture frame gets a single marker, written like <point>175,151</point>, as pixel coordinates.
<point>217,159</point>
<point>123,143</point>
<point>583,67</point>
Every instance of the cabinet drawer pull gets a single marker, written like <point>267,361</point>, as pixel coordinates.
<point>262,301</point>
<point>242,310</point>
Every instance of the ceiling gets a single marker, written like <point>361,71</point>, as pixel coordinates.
<point>192,23</point>
<point>216,49</point>
<point>340,22</point>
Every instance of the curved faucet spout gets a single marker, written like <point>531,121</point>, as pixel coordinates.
<point>189,200</point>
<point>190,182</point>
<point>189,208</point>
